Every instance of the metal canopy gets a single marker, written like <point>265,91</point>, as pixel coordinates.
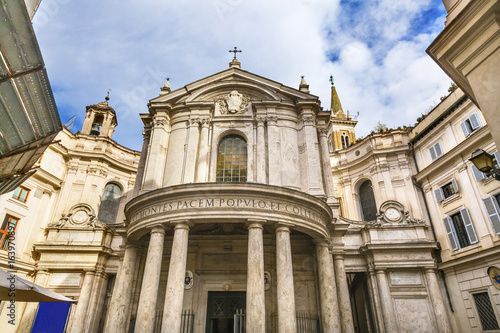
<point>29,120</point>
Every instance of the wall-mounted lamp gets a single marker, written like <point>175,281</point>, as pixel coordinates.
<point>485,163</point>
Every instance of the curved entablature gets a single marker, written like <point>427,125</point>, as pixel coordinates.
<point>228,203</point>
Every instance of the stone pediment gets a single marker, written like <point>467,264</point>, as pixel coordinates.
<point>257,88</point>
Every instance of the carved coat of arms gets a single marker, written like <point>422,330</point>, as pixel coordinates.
<point>233,103</point>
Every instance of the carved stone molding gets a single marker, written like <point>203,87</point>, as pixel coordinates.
<point>322,131</point>
<point>260,120</point>
<point>308,120</point>
<point>271,120</point>
<point>159,122</point>
<point>72,168</point>
<point>194,122</point>
<point>205,121</point>
<point>233,103</point>
<point>79,216</point>
<point>392,212</point>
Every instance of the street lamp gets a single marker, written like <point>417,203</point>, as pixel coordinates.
<point>485,163</point>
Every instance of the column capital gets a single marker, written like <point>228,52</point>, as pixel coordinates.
<point>283,228</point>
<point>159,121</point>
<point>272,120</point>
<point>194,122</point>
<point>338,256</point>
<point>182,224</point>
<point>255,223</point>
<point>322,243</point>
<point>205,121</point>
<point>323,131</point>
<point>89,271</point>
<point>429,270</point>
<point>157,230</point>
<point>308,119</point>
<point>260,120</point>
<point>130,244</point>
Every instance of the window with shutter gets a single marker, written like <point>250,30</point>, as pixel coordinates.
<point>439,195</point>
<point>446,191</point>
<point>436,151</point>
<point>432,151</point>
<point>450,231</point>
<point>460,229</point>
<point>469,227</point>
<point>478,175</point>
<point>471,124</point>
<point>492,208</point>
<point>439,149</point>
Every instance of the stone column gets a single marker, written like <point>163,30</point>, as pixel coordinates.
<point>375,299</point>
<point>330,316</point>
<point>386,302</point>
<point>122,292</point>
<point>255,317</point>
<point>343,294</point>
<point>326,166</point>
<point>174,295</point>
<point>274,150</point>
<point>443,323</point>
<point>261,150</point>
<point>149,289</point>
<point>80,317</point>
<point>284,270</point>
<point>202,165</point>
<point>157,151</point>
<point>146,134</point>
<point>96,302</point>
<point>312,155</point>
<point>192,150</point>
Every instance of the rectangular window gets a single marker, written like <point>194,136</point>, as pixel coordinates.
<point>492,205</point>
<point>471,124</point>
<point>446,191</point>
<point>485,311</point>
<point>460,229</point>
<point>21,194</point>
<point>8,225</point>
<point>436,151</point>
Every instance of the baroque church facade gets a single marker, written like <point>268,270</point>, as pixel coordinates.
<point>250,208</point>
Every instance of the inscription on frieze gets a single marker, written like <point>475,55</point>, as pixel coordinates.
<point>229,202</point>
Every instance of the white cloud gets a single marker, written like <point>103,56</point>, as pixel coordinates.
<point>129,46</point>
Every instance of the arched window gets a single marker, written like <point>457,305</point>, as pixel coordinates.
<point>96,125</point>
<point>367,200</point>
<point>344,140</point>
<point>232,159</point>
<point>109,203</point>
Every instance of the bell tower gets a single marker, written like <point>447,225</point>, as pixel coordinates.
<point>342,125</point>
<point>100,120</point>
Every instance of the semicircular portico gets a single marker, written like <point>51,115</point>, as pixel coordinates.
<point>228,203</point>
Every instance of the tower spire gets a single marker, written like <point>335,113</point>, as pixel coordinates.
<point>335,105</point>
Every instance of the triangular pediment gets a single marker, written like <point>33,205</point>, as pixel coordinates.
<point>210,88</point>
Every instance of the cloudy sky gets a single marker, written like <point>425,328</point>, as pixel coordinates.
<point>375,49</point>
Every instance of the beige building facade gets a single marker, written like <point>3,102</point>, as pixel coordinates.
<point>464,206</point>
<point>247,209</point>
